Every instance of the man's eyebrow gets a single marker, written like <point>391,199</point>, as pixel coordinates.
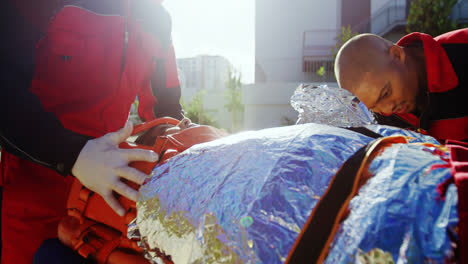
<point>380,95</point>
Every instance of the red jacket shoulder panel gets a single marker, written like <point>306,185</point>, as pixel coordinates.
<point>456,36</point>
<point>440,74</point>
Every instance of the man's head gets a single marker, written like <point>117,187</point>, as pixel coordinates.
<point>377,72</point>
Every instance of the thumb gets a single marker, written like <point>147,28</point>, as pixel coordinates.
<point>121,135</point>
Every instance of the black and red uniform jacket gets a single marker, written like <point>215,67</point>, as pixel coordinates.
<point>70,71</point>
<point>446,57</point>
<point>43,116</point>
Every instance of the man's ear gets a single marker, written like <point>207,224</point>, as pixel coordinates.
<point>397,52</point>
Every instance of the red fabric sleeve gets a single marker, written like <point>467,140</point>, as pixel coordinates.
<point>172,76</point>
<point>459,170</point>
<point>156,101</point>
<point>456,36</point>
<point>147,102</point>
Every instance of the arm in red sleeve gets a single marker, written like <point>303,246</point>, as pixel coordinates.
<point>26,129</point>
<point>165,87</point>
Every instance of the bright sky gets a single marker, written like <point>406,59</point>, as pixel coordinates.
<point>215,27</point>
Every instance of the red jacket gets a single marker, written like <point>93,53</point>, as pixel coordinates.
<point>447,79</point>
<point>89,68</point>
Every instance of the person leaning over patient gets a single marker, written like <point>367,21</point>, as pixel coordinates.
<point>418,83</point>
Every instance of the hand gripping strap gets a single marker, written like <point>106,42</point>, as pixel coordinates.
<point>78,206</point>
<point>102,241</point>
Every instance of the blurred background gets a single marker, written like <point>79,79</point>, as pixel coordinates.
<point>240,61</point>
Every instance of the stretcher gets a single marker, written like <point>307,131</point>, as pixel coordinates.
<point>252,205</point>
<point>281,195</point>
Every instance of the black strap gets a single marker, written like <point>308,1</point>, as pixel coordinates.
<point>319,225</point>
<point>365,131</point>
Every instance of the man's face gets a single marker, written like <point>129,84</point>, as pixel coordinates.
<point>392,89</point>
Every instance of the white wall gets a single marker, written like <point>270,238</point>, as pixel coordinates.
<point>279,37</point>
<point>214,102</point>
<point>279,29</point>
<point>266,104</point>
<point>377,4</point>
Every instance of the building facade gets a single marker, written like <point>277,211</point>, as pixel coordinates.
<point>206,75</point>
<point>281,41</point>
<point>294,40</point>
<point>203,72</point>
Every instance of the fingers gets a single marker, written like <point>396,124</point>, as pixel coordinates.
<point>114,203</point>
<point>132,174</point>
<point>121,135</point>
<point>140,155</point>
<point>126,191</point>
<point>123,189</point>
<point>184,123</point>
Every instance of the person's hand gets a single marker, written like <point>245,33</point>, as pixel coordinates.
<point>183,124</point>
<point>101,164</point>
<point>149,138</point>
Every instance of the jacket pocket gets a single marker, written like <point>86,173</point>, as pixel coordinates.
<point>78,61</point>
<point>78,68</point>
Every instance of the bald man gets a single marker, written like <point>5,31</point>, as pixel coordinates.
<point>419,83</point>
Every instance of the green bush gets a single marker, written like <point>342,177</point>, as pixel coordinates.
<point>431,17</point>
<point>195,111</point>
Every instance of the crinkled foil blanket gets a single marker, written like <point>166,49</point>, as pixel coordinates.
<point>330,106</point>
<point>245,198</point>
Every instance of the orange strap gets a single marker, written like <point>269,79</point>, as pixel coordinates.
<point>106,250</point>
<point>83,245</point>
<point>156,122</point>
<point>81,204</point>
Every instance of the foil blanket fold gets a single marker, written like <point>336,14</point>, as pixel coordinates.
<point>330,106</point>
<point>246,197</point>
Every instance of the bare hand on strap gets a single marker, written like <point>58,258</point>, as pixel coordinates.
<point>101,164</point>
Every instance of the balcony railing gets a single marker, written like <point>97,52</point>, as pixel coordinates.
<point>390,15</point>
<point>316,52</point>
<point>460,11</point>
<point>314,66</point>
<point>317,44</point>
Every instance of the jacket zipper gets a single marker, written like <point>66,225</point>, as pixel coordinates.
<point>28,156</point>
<point>124,55</point>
